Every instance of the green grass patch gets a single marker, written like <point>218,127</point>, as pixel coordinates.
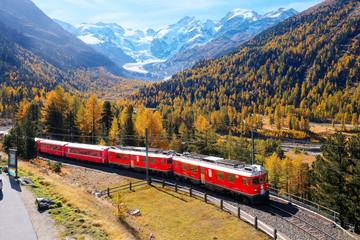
<point>175,216</point>
<point>74,220</point>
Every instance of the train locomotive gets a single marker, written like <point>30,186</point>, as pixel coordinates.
<point>249,182</point>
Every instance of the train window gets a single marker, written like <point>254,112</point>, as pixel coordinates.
<point>125,157</point>
<point>210,173</point>
<point>231,177</point>
<point>244,181</point>
<point>193,168</point>
<point>262,179</point>
<point>220,175</point>
<point>255,181</point>
<point>152,160</point>
<point>118,155</point>
<point>169,161</point>
<point>184,167</point>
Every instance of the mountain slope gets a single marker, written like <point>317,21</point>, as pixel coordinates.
<point>37,52</point>
<point>235,28</point>
<point>38,34</point>
<point>309,63</point>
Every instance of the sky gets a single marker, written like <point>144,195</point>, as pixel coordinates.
<point>143,14</point>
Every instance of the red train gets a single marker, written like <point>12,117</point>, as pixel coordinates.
<point>248,181</point>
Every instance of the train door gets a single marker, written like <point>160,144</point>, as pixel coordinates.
<point>131,161</point>
<point>262,180</point>
<point>202,175</point>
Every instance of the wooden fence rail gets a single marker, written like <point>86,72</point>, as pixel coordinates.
<point>225,206</point>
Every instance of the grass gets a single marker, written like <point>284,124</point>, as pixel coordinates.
<point>81,214</point>
<point>74,221</point>
<point>169,215</point>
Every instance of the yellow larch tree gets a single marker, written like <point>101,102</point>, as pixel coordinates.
<point>89,117</point>
<point>152,120</point>
<point>273,166</point>
<point>114,132</point>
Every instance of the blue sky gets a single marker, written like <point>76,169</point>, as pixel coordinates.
<point>142,14</point>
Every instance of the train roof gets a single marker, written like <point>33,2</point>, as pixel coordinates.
<point>143,149</point>
<point>220,164</point>
<point>159,154</point>
<point>87,146</point>
<point>49,141</point>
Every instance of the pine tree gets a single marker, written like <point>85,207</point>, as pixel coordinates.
<point>29,129</point>
<point>353,148</point>
<point>332,175</point>
<point>54,122</point>
<point>106,117</point>
<point>127,130</point>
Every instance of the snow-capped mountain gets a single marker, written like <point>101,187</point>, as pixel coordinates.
<point>159,53</point>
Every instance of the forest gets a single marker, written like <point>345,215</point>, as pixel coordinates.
<point>304,69</point>
<point>301,71</point>
<point>332,180</point>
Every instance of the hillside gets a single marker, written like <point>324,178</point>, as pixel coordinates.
<point>27,26</point>
<point>37,52</point>
<point>306,67</point>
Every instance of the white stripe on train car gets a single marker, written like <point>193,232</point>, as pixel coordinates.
<point>129,152</point>
<point>238,171</point>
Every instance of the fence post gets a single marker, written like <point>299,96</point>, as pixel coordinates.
<point>176,187</point>
<point>108,192</point>
<point>239,213</point>
<point>275,234</point>
<point>190,192</point>
<point>256,223</point>
<point>221,204</point>
<point>163,183</point>
<point>130,186</point>
<point>205,197</point>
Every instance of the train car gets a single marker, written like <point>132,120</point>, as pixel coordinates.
<point>249,181</point>
<point>136,159</point>
<point>51,147</point>
<point>87,152</point>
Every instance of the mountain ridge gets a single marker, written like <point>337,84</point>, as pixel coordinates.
<point>155,51</point>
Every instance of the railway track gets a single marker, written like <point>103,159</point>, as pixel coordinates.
<point>308,228</point>
<point>288,219</point>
